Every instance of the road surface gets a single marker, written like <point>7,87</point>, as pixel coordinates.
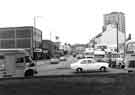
<point>63,68</point>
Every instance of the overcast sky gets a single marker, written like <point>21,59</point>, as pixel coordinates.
<point>74,21</point>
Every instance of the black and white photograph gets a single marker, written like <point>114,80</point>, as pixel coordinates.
<point>67,47</point>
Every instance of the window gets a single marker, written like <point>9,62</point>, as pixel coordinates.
<point>84,62</point>
<point>7,34</point>
<point>99,56</point>
<point>23,33</point>
<point>23,43</point>
<point>20,60</point>
<point>93,61</point>
<point>131,48</point>
<point>89,61</point>
<point>28,59</point>
<point>7,44</point>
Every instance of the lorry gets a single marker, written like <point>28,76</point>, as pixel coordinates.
<point>117,60</point>
<point>99,55</point>
<point>16,63</point>
<point>130,55</point>
<point>89,53</point>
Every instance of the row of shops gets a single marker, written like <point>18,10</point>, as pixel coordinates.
<point>28,38</point>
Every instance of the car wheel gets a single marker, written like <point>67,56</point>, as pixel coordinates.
<point>103,69</point>
<point>29,73</point>
<point>79,70</point>
<point>123,66</point>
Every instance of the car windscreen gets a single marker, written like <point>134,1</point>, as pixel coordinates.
<point>28,59</point>
<point>100,56</point>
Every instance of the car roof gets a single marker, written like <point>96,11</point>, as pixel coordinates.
<point>86,59</point>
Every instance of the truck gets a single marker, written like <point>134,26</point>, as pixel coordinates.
<point>16,63</point>
<point>99,55</point>
<point>117,60</point>
<point>130,55</point>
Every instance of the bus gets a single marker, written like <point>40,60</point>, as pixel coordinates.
<point>130,55</point>
<point>89,53</point>
<point>103,47</point>
<point>100,55</point>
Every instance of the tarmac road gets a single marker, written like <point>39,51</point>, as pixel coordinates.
<point>63,68</point>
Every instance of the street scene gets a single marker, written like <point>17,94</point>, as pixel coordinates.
<point>67,47</point>
<point>63,68</point>
<point>27,54</point>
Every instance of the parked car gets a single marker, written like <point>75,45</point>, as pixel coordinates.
<point>74,54</point>
<point>89,64</point>
<point>62,58</point>
<point>79,56</point>
<point>54,60</point>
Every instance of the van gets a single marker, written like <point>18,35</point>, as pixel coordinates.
<point>16,63</point>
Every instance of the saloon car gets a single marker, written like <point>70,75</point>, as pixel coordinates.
<point>88,64</point>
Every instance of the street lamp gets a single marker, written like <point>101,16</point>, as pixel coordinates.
<point>117,27</point>
<point>34,31</point>
<point>117,37</point>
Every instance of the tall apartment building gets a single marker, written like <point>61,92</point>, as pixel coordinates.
<point>27,37</point>
<point>115,18</point>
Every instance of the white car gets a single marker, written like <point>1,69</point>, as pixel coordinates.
<point>89,64</point>
<point>79,56</point>
<point>54,60</point>
<point>62,58</point>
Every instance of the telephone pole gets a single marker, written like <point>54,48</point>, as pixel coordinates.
<point>117,37</point>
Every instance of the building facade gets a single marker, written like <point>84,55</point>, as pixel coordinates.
<point>48,48</point>
<point>113,31</point>
<point>26,37</point>
<point>115,18</point>
<point>109,37</point>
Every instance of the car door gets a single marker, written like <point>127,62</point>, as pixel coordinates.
<point>91,65</point>
<point>84,64</point>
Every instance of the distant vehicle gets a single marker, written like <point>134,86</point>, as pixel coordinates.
<point>62,58</point>
<point>100,55</point>
<point>79,56</point>
<point>89,53</point>
<point>116,60</point>
<point>89,64</point>
<point>130,55</point>
<point>54,60</point>
<point>101,46</point>
<point>74,54</point>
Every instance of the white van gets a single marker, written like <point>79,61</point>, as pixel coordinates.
<point>16,62</point>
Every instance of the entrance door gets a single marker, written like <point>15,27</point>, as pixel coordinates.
<point>91,65</point>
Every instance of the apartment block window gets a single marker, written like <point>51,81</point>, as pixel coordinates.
<point>7,34</point>
<point>7,44</point>
<point>23,33</point>
<point>23,43</point>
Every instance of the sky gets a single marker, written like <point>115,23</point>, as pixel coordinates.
<point>74,21</point>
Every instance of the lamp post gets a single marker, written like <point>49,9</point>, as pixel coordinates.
<point>117,37</point>
<point>34,31</point>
